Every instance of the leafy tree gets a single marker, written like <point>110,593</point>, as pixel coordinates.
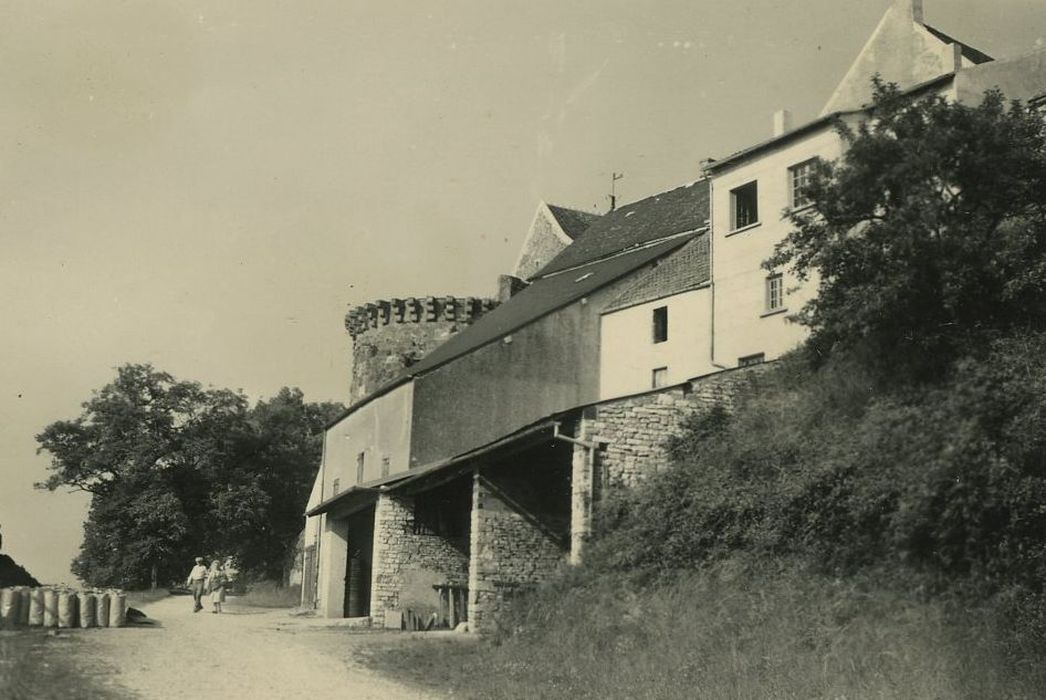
<point>928,236</point>
<point>177,470</point>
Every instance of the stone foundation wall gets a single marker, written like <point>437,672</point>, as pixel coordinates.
<point>406,565</point>
<point>509,554</point>
<point>636,428</point>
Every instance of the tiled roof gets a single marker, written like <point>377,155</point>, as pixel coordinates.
<point>681,210</point>
<point>683,270</point>
<point>542,297</point>
<point>968,51</point>
<point>573,221</point>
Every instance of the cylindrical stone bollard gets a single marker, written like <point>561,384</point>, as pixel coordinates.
<point>8,608</point>
<point>36,607</point>
<point>102,609</point>
<point>67,613</point>
<point>87,604</point>
<point>23,606</point>
<point>50,607</point>
<point>117,609</point>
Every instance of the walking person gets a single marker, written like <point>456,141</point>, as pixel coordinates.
<point>196,582</point>
<point>216,585</point>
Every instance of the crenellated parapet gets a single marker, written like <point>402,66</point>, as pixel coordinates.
<point>390,335</point>
<point>385,312</point>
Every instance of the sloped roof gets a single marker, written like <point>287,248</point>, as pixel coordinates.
<point>681,210</point>
<point>683,270</point>
<point>542,297</point>
<point>968,52</point>
<point>573,221</point>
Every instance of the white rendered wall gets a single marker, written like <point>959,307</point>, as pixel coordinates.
<point>742,326</point>
<point>628,353</point>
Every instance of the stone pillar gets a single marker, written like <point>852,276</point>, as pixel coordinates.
<point>508,553</point>
<point>582,481</point>
<point>334,549</point>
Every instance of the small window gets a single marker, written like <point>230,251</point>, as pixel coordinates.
<point>361,458</point>
<point>659,378</point>
<point>774,292</point>
<point>744,205</point>
<point>385,466</point>
<point>660,324</point>
<point>799,178</point>
<point>750,360</point>
<point>336,486</point>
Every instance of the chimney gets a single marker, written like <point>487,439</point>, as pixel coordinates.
<point>913,9</point>
<point>508,287</point>
<point>782,122</point>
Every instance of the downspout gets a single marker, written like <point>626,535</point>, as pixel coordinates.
<point>711,269</point>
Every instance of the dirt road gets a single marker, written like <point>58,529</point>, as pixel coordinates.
<point>242,653</point>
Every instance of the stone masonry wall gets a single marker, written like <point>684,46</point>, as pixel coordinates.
<point>635,428</point>
<point>406,565</point>
<point>508,554</point>
<point>389,336</point>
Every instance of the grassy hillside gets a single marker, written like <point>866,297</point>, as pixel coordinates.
<point>833,536</point>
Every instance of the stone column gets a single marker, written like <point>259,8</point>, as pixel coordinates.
<point>391,519</point>
<point>582,481</point>
<point>508,553</point>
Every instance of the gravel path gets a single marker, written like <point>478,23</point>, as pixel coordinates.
<point>242,653</point>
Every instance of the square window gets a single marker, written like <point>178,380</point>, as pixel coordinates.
<point>360,460</point>
<point>659,378</point>
<point>750,360</point>
<point>744,205</point>
<point>774,292</point>
<point>660,324</point>
<point>799,178</point>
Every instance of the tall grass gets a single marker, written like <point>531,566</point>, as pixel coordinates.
<point>734,631</point>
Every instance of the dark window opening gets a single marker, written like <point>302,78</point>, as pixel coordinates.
<point>745,205</point>
<point>660,324</point>
<point>384,466</point>
<point>360,460</point>
<point>336,486</point>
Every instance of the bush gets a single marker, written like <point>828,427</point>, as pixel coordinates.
<point>942,488</point>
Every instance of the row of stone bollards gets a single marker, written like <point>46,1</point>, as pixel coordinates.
<point>49,606</point>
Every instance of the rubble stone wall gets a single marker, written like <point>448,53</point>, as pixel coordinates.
<point>407,565</point>
<point>636,428</point>
<point>509,554</point>
<point>388,336</point>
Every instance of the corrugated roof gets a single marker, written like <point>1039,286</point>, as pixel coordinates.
<point>680,210</point>
<point>542,297</point>
<point>573,221</point>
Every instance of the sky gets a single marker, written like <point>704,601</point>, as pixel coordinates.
<point>206,185</point>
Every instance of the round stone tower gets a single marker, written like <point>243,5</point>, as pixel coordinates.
<point>390,335</point>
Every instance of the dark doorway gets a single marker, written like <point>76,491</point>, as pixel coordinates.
<point>358,564</point>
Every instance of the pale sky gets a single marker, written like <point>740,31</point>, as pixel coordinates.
<point>206,185</point>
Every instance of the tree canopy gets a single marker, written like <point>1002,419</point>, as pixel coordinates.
<point>928,236</point>
<point>176,470</point>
